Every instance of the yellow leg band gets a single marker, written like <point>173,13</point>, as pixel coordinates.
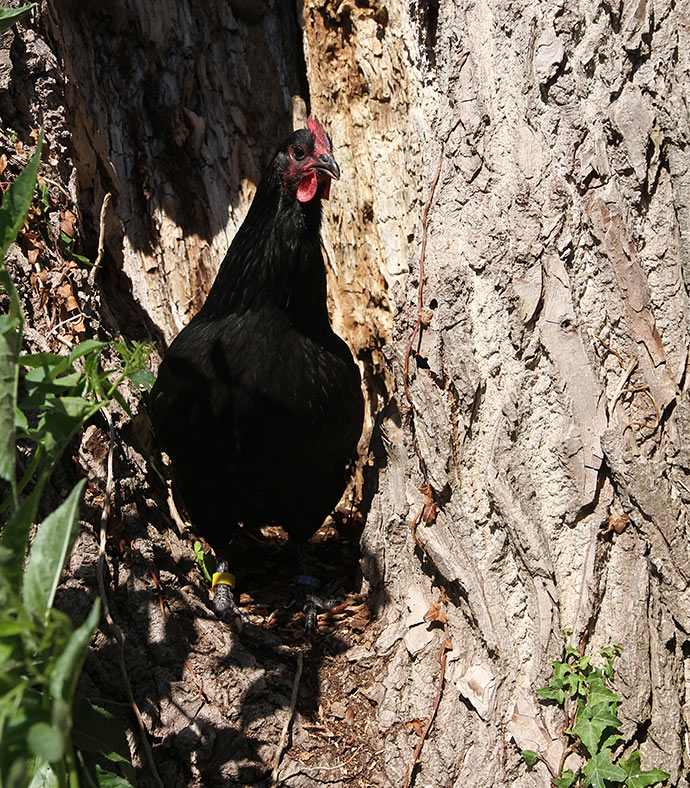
<point>223,579</point>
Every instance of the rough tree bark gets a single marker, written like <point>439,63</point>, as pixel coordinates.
<point>548,389</point>
<point>547,380</point>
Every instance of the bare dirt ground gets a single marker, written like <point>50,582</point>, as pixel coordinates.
<point>215,701</point>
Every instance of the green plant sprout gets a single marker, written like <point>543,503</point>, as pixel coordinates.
<point>49,735</point>
<point>591,709</point>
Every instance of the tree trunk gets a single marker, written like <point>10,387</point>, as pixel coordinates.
<point>547,406</point>
<point>529,471</point>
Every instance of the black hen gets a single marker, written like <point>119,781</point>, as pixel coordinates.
<point>257,402</point>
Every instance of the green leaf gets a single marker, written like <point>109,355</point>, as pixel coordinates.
<point>530,756</point>
<point>43,776</point>
<point>552,693</point>
<point>599,769</point>
<point>635,777</point>
<point>49,553</point>
<point>13,213</point>
<point>10,344</point>
<point>201,560</point>
<point>566,780</point>
<point>45,742</point>
<point>143,378</point>
<point>110,780</point>
<point>95,730</point>
<point>88,346</point>
<point>63,679</point>
<point>60,424</point>
<point>591,723</point>
<point>17,199</point>
<point>598,693</point>
<point>14,538</point>
<point>8,16</point>
<point>612,651</point>
<point>52,363</point>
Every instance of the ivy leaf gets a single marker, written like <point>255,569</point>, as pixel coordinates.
<point>600,693</point>
<point>566,780</point>
<point>635,777</point>
<point>592,722</point>
<point>599,769</point>
<point>530,756</point>
<point>552,693</point>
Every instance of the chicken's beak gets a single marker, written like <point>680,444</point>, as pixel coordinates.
<point>326,164</point>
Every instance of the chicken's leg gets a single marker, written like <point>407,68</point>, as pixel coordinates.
<point>223,599</point>
<point>306,587</point>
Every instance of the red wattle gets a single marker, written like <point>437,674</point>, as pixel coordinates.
<point>307,187</point>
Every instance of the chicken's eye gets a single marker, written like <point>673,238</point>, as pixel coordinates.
<point>298,152</point>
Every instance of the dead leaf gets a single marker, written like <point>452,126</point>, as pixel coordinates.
<point>430,506</point>
<point>617,522</point>
<point>435,614</point>
<point>3,163</point>
<point>79,328</point>
<point>67,222</point>
<point>416,725</point>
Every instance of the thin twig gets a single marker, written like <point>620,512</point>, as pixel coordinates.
<point>437,701</point>
<point>611,350</point>
<point>623,382</point>
<point>101,239</point>
<point>644,390</point>
<point>422,255</point>
<point>60,188</point>
<point>306,768</point>
<point>552,771</point>
<point>64,322</point>
<point>288,721</point>
<point>179,521</point>
<point>114,629</point>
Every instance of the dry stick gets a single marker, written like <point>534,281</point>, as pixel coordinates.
<point>439,691</point>
<point>101,239</point>
<point>644,390</point>
<point>623,382</point>
<point>342,765</point>
<point>288,721</point>
<point>422,254</point>
<point>611,350</point>
<point>114,629</point>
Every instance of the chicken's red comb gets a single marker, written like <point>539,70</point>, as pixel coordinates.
<point>322,143</point>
